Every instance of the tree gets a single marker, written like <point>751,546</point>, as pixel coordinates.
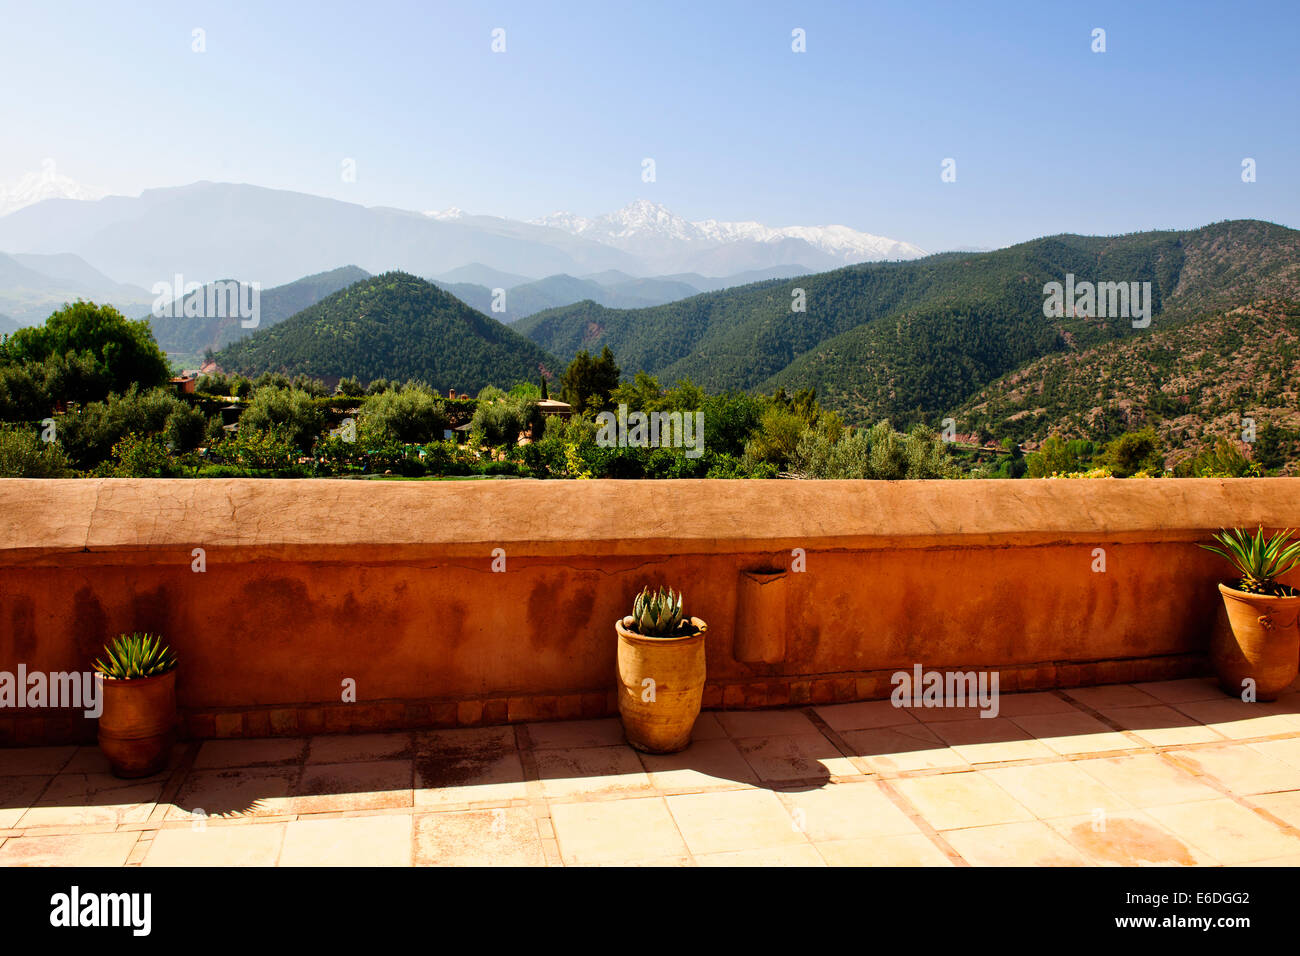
<point>119,351</point>
<point>289,409</point>
<point>588,383</point>
<point>24,455</point>
<point>1132,452</point>
<point>414,415</point>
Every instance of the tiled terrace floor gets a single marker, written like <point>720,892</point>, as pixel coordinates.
<point>1173,773</point>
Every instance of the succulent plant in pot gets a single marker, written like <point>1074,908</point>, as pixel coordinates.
<point>661,671</point>
<point>137,685</point>
<point>1258,652</point>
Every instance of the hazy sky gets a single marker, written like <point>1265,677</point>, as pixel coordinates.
<point>1047,135</point>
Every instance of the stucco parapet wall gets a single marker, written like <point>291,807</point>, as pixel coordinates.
<point>379,520</point>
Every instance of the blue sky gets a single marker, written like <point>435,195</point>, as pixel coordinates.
<point>1047,135</point>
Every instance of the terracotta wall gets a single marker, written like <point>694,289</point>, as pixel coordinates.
<point>391,585</point>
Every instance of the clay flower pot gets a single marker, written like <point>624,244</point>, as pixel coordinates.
<point>138,725</point>
<point>661,685</point>
<point>1261,642</point>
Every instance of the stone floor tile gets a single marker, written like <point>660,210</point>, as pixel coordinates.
<point>17,794</point>
<point>381,840</point>
<point>1075,733</point>
<point>355,748</point>
<point>1055,790</point>
<point>799,757</point>
<point>1146,780</point>
<point>574,734</point>
<point>1015,844</point>
<point>1033,704</point>
<point>468,777</point>
<point>864,715</point>
<point>733,820</point>
<point>1239,720</point>
<point>1242,769</point>
<point>1108,697</point>
<point>465,740</point>
<point>34,761</point>
<point>1163,726</point>
<point>80,799</point>
<point>251,845</point>
<point>369,785</point>
<point>1183,690</point>
<point>952,801</point>
<point>587,771</point>
<point>82,849</point>
<point>985,740</point>
<point>617,831</point>
<point>708,727</point>
<point>784,856</point>
<point>1285,806</point>
<point>765,723</point>
<point>900,749</point>
<point>506,836</point>
<point>253,752</point>
<point>847,811</point>
<point>1287,750</point>
<point>235,793</point>
<point>1226,830</point>
<point>1128,838</point>
<point>905,850</point>
<point>704,765</point>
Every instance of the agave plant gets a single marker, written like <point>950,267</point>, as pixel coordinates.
<point>132,656</point>
<point>657,613</point>
<point>1258,561</point>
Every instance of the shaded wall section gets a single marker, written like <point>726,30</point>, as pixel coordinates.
<point>813,591</point>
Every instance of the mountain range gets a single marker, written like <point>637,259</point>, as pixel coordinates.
<point>913,341</point>
<point>208,231</point>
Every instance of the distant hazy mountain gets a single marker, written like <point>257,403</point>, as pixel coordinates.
<point>392,326</point>
<point>475,273</point>
<point>668,241</point>
<point>524,300</point>
<point>191,335</point>
<point>33,286</point>
<point>7,325</point>
<point>611,288</point>
<point>210,231</point>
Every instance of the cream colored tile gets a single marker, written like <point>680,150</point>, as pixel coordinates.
<point>382,840</point>
<point>955,800</point>
<point>1226,831</point>
<point>248,845</point>
<point>1014,844</point>
<point>616,831</point>
<point>498,837</point>
<point>733,820</point>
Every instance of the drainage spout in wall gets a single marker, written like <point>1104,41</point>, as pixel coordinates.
<point>760,617</point>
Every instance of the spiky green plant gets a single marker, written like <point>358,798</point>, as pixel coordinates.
<point>133,656</point>
<point>1259,561</point>
<point>657,613</point>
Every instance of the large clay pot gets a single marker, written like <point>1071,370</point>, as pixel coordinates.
<point>658,717</point>
<point>138,725</point>
<point>1261,641</point>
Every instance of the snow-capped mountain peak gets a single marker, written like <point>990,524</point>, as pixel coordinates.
<point>46,184</point>
<point>642,220</point>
